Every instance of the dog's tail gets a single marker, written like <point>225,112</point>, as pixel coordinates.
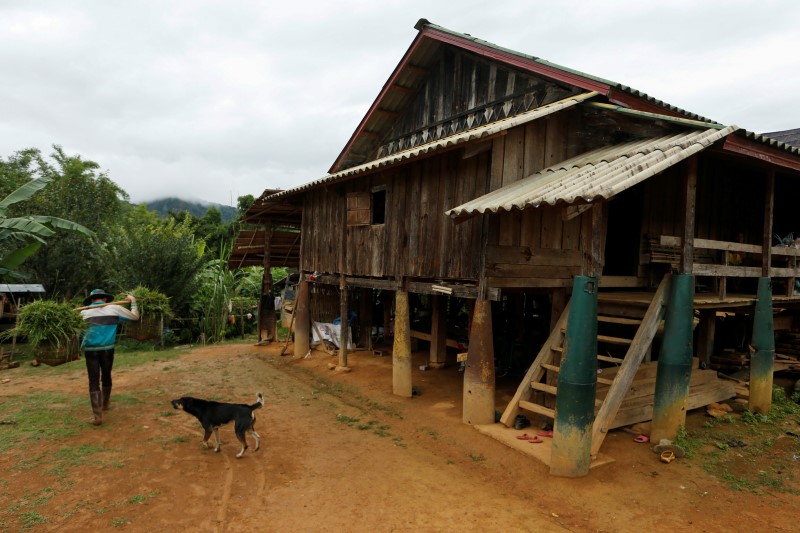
<point>259,402</point>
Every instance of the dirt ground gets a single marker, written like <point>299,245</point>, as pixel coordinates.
<point>339,452</point>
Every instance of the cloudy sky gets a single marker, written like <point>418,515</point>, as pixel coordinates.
<point>212,100</point>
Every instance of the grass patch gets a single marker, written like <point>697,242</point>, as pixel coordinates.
<point>477,458</point>
<point>750,452</point>
<point>141,498</point>
<point>126,399</point>
<point>29,519</point>
<point>77,455</point>
<point>346,419</point>
<point>39,417</point>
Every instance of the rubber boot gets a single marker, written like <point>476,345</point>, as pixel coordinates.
<point>97,408</point>
<point>106,398</point>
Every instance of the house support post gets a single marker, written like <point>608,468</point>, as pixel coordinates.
<point>706,331</point>
<point>401,351</point>
<point>479,385</point>
<point>366,303</point>
<point>674,370</point>
<point>267,321</point>
<point>438,351</point>
<point>762,361</point>
<point>344,325</point>
<point>577,384</point>
<point>302,324</point>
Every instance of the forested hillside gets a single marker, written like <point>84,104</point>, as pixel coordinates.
<point>197,209</point>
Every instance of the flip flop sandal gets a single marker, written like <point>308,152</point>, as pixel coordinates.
<point>535,440</point>
<point>673,448</point>
<point>524,436</point>
<point>642,438</point>
<point>548,433</point>
<point>667,456</point>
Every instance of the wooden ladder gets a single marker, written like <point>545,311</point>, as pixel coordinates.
<point>542,375</point>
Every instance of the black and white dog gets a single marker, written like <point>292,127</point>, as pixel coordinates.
<point>212,415</point>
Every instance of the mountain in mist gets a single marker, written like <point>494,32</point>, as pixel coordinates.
<point>196,208</point>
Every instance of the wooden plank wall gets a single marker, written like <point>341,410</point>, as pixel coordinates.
<point>535,247</point>
<point>417,239</point>
<point>729,200</point>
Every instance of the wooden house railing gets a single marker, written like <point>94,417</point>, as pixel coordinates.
<point>784,264</point>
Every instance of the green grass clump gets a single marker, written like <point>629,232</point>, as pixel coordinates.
<point>45,322</point>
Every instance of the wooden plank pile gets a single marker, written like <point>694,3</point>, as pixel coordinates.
<point>705,388</point>
<point>730,360</point>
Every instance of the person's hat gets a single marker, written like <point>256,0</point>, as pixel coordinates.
<point>98,293</point>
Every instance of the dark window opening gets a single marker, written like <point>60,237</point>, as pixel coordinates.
<point>379,206</point>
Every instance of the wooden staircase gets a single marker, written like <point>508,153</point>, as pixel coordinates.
<point>625,333</point>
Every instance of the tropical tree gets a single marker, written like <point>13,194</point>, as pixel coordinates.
<point>78,191</point>
<point>160,254</point>
<point>22,236</point>
<point>211,303</point>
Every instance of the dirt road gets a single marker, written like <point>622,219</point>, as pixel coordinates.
<point>339,453</point>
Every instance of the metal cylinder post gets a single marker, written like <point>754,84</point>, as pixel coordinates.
<point>674,372</point>
<point>577,384</point>
<point>762,360</point>
<point>479,385</point>
<point>401,351</point>
<point>302,324</point>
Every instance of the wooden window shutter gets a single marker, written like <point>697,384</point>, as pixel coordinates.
<point>358,208</point>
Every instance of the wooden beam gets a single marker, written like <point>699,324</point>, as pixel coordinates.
<point>710,244</point>
<point>438,348</point>
<point>689,204</point>
<point>267,321</point>
<point>769,204</point>
<point>761,152</point>
<point>343,307</point>
<point>596,257</point>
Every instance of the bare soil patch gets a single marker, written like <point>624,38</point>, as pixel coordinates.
<point>340,452</point>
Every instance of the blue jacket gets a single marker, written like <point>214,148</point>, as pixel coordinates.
<point>103,322</point>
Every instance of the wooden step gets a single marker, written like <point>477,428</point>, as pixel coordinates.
<point>609,359</point>
<point>536,408</point>
<point>613,340</point>
<point>549,389</point>
<point>607,338</point>
<point>618,320</point>
<point>556,369</point>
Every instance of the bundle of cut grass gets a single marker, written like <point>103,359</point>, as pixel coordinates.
<point>52,329</point>
<point>154,311</point>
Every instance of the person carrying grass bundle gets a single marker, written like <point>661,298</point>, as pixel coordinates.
<point>98,345</point>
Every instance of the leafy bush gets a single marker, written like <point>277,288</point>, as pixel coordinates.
<point>151,302</point>
<point>48,322</point>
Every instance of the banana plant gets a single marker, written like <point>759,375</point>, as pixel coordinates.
<point>21,237</point>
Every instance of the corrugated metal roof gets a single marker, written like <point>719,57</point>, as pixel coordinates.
<point>21,287</point>
<point>788,140</point>
<point>596,175</point>
<point>460,138</point>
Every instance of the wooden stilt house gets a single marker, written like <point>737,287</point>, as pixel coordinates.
<point>495,177</point>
